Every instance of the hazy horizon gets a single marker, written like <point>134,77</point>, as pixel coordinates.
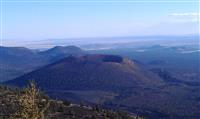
<point>106,42</point>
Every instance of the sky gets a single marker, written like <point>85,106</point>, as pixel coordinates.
<point>37,20</point>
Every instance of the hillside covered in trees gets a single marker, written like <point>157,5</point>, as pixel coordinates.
<point>30,103</point>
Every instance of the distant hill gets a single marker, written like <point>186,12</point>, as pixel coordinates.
<point>15,61</point>
<point>58,52</point>
<point>90,72</point>
<point>17,55</point>
<point>62,50</point>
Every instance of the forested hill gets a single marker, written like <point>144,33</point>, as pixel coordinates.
<point>29,103</point>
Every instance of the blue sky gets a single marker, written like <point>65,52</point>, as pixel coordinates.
<point>48,20</point>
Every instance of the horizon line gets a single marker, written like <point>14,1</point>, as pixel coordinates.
<point>97,37</point>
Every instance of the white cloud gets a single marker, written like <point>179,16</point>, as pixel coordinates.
<point>173,28</point>
<point>184,17</point>
<point>186,14</point>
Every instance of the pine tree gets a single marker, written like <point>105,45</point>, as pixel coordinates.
<point>28,104</point>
